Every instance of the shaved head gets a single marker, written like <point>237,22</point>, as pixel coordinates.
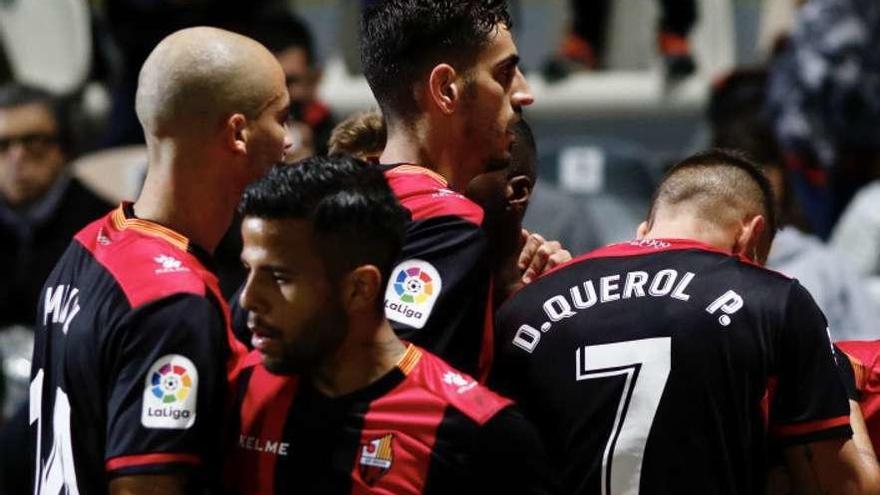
<point>196,77</point>
<point>718,187</point>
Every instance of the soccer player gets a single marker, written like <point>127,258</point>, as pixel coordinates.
<point>332,401</point>
<point>645,365</point>
<point>504,195</point>
<point>446,79</point>
<point>133,346</point>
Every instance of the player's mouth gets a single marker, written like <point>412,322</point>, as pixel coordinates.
<point>263,336</point>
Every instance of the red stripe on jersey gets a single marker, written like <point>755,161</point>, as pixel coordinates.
<point>150,459</point>
<point>487,348</point>
<point>648,246</point>
<point>769,393</point>
<point>397,438</point>
<point>809,426</point>
<point>148,265</point>
<point>263,414</point>
<point>425,194</point>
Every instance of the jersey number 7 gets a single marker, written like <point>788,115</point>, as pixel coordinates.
<point>645,365</point>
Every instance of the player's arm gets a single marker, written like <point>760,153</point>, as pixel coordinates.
<point>511,457</point>
<point>166,379</point>
<point>147,484</point>
<point>836,466</point>
<point>823,435</point>
<point>440,285</point>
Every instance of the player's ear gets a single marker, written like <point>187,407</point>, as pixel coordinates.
<point>360,288</point>
<point>519,191</point>
<point>643,230</point>
<point>443,88</point>
<point>749,241</point>
<point>235,133</point>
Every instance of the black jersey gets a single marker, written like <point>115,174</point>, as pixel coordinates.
<point>646,367</point>
<point>422,428</point>
<point>132,355</point>
<point>439,294</point>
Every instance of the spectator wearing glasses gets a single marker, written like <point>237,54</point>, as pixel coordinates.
<point>41,205</point>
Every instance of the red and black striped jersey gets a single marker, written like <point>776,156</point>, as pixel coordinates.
<point>646,366</point>
<point>132,357</point>
<point>863,376</point>
<point>421,428</point>
<point>439,293</point>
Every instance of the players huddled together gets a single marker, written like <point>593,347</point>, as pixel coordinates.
<point>398,331</point>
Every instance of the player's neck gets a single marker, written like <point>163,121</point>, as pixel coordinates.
<point>186,199</point>
<point>360,362</point>
<point>428,149</point>
<point>694,229</point>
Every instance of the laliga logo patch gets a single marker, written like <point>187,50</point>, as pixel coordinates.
<point>411,293</point>
<point>376,459</point>
<point>170,393</point>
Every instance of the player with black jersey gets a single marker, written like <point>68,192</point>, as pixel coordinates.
<point>645,365</point>
<point>445,75</point>
<point>133,348</point>
<point>332,401</point>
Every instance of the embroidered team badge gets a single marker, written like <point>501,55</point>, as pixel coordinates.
<point>376,459</point>
<point>170,387</point>
<point>411,293</point>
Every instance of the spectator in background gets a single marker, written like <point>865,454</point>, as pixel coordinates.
<point>41,205</point>
<point>824,98</point>
<point>289,38</point>
<point>583,47</point>
<point>738,120</point>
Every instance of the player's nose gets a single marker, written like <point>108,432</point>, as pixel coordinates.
<point>522,94</point>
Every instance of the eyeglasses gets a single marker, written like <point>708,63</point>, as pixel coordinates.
<point>34,143</point>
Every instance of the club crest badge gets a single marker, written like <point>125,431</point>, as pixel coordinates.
<point>376,458</point>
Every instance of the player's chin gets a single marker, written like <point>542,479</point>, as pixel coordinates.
<point>276,364</point>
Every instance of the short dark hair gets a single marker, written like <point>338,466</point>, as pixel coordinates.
<point>355,216</point>
<point>717,172</point>
<point>279,30</point>
<point>15,94</point>
<point>402,39</point>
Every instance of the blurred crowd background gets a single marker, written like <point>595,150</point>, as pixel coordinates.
<point>623,88</point>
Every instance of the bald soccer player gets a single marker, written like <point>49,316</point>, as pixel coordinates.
<point>650,366</point>
<point>133,347</point>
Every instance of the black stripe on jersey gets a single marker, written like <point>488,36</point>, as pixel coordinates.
<point>324,443</point>
<point>451,454</point>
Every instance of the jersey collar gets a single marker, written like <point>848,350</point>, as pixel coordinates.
<point>123,218</point>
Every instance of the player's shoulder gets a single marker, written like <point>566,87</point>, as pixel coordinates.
<point>146,264</point>
<point>426,195</point>
<point>453,387</point>
<point>862,353</point>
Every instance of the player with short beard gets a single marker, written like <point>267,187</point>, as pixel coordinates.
<point>332,401</point>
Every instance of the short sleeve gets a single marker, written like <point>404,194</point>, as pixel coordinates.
<point>437,294</point>
<point>166,380</point>
<point>810,401</point>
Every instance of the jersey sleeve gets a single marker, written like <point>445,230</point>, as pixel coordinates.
<point>810,401</point>
<point>166,380</point>
<point>510,456</point>
<point>437,295</point>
